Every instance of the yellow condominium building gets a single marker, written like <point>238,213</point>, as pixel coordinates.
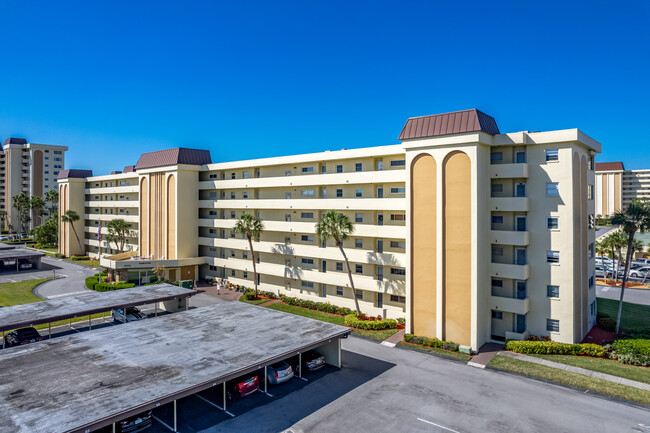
<point>617,187</point>
<point>469,234</point>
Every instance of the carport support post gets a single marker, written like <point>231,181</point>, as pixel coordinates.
<point>175,426</point>
<point>156,309</point>
<point>3,346</point>
<point>265,379</point>
<point>49,329</point>
<point>90,323</point>
<point>300,365</point>
<point>114,431</point>
<point>224,384</point>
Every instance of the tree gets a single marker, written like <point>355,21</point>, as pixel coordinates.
<point>52,197</point>
<point>37,204</point>
<point>619,241</point>
<point>21,203</point>
<point>118,232</point>
<point>635,217</point>
<point>601,248</point>
<point>251,227</point>
<point>70,216</point>
<point>338,227</point>
<point>46,233</point>
<point>3,217</point>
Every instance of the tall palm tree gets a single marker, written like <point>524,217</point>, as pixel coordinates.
<point>118,232</point>
<point>337,226</point>
<point>38,205</point>
<point>3,218</point>
<point>20,202</point>
<point>601,248</point>
<point>619,241</point>
<point>52,197</point>
<point>251,227</point>
<point>635,217</point>
<point>70,216</point>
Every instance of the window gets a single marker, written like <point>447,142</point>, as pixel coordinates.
<point>287,173</point>
<point>212,213</point>
<point>245,194</point>
<point>339,168</point>
<point>358,192</point>
<point>358,167</point>
<point>497,251</point>
<point>245,175</point>
<point>591,163</point>
<point>552,325</point>
<point>398,190</point>
<point>520,156</point>
<point>308,169</point>
<point>287,195</point>
<point>398,163</point>
<point>307,261</point>
<point>552,223</point>
<point>46,179</point>
<point>553,291</point>
<point>496,157</point>
<point>552,257</point>
<point>56,166</point>
<point>339,266</point>
<point>232,195</point>
<point>593,308</point>
<point>358,218</point>
<point>232,175</point>
<point>359,294</point>
<point>57,152</point>
<point>339,290</point>
<point>590,192</point>
<point>232,214</point>
<point>339,192</point>
<point>497,283</point>
<point>307,238</point>
<point>308,284</point>
<point>47,172</point>
<point>307,192</point>
<point>590,250</point>
<point>497,315</point>
<point>57,159</point>
<point>496,188</point>
<point>323,193</point>
<point>307,215</point>
<point>232,272</point>
<point>323,169</point>
<point>245,274</point>
<point>397,244</point>
<point>398,217</point>
<point>552,155</point>
<point>396,298</point>
<point>591,281</point>
<point>244,255</point>
<point>552,189</point>
<point>358,243</point>
<point>497,220</point>
<point>358,269</point>
<point>397,271</point>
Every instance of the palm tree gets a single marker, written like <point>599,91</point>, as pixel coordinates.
<point>20,202</point>
<point>635,217</point>
<point>251,227</point>
<point>52,196</point>
<point>118,232</point>
<point>601,248</point>
<point>70,216</point>
<point>3,217</point>
<point>37,204</point>
<point>337,226</point>
<point>619,241</point>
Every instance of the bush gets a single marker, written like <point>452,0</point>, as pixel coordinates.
<point>75,258</point>
<point>431,342</point>
<point>59,256</point>
<point>554,348</point>
<point>634,352</point>
<point>401,320</point>
<point>107,287</point>
<point>607,324</point>
<point>91,282</point>
<point>325,307</point>
<point>249,295</point>
<point>372,325</point>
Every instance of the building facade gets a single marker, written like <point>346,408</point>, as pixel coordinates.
<point>30,168</point>
<point>617,187</point>
<point>469,234</point>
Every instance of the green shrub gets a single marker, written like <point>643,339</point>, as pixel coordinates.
<point>320,306</point>
<point>371,325</point>
<point>76,258</point>
<point>91,282</point>
<point>607,324</point>
<point>554,348</point>
<point>401,320</point>
<point>634,352</point>
<point>107,287</point>
<point>431,342</point>
<point>59,256</point>
<point>452,347</point>
<point>249,295</point>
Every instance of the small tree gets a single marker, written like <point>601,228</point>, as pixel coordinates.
<point>118,232</point>
<point>46,233</point>
<point>70,216</point>
<point>337,226</point>
<point>619,241</point>
<point>37,204</point>
<point>159,271</point>
<point>251,227</point>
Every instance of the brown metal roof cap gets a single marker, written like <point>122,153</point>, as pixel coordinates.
<point>179,155</point>
<point>14,140</point>
<point>610,166</point>
<point>74,173</point>
<point>129,169</point>
<point>455,122</point>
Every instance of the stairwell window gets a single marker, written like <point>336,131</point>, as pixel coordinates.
<point>358,218</point>
<point>552,223</point>
<point>339,266</point>
<point>553,291</point>
<point>339,193</point>
<point>339,168</point>
<point>552,189</point>
<point>552,155</point>
<point>553,257</point>
<point>552,325</point>
<point>358,243</point>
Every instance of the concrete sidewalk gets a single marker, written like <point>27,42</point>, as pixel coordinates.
<point>394,339</point>
<point>578,370</point>
<point>485,355</point>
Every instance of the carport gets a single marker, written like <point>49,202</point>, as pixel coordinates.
<point>14,255</point>
<point>165,296</point>
<point>83,382</point>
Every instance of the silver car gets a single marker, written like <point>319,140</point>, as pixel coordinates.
<point>279,372</point>
<point>132,314</point>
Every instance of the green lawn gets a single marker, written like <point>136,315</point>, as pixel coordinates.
<point>19,293</point>
<point>608,366</point>
<point>254,301</point>
<point>90,263</point>
<point>633,316</point>
<point>572,379</point>
<point>375,335</point>
<point>435,350</point>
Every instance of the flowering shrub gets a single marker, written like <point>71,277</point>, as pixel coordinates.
<point>634,352</point>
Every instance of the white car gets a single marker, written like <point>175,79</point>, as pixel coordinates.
<point>602,272</point>
<point>132,314</point>
<point>4,238</point>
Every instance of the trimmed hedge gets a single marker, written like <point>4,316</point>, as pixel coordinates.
<point>369,325</point>
<point>554,348</point>
<point>401,320</point>
<point>634,352</point>
<point>75,258</point>
<point>431,342</point>
<point>107,287</point>
<point>91,282</point>
<point>325,307</point>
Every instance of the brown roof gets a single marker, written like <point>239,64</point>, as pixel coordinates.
<point>175,156</point>
<point>609,166</point>
<point>449,123</point>
<point>74,173</point>
<point>129,169</point>
<point>14,140</point>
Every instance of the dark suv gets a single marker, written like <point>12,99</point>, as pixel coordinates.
<point>22,336</point>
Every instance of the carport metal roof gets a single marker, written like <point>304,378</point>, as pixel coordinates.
<point>92,379</point>
<point>19,253</point>
<point>83,305</point>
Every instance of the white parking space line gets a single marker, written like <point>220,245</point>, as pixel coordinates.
<point>213,404</point>
<point>438,425</point>
<point>162,422</point>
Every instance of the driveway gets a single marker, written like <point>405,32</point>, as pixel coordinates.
<point>70,278</point>
<point>633,296</point>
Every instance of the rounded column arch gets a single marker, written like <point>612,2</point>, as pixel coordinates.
<point>144,217</point>
<point>171,217</point>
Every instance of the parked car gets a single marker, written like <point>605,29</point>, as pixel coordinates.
<point>644,262</point>
<point>132,314</point>
<point>602,272</point>
<point>4,238</point>
<point>24,264</point>
<point>242,386</point>
<point>136,423</point>
<point>279,372</point>
<point>22,336</point>
<point>311,361</point>
<point>639,272</point>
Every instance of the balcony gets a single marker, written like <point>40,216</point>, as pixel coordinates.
<point>510,305</point>
<point>509,237</point>
<point>509,204</point>
<point>505,270</point>
<point>508,171</point>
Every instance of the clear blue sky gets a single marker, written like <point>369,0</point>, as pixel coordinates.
<point>245,79</point>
